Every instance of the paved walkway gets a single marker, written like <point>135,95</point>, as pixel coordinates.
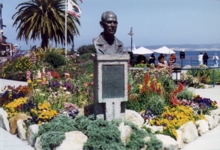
<point>209,141</point>
<point>11,142</point>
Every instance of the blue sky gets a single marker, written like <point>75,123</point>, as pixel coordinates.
<point>154,22</point>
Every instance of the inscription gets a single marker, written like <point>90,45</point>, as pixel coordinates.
<point>113,81</point>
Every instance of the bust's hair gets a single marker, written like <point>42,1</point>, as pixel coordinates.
<point>105,14</point>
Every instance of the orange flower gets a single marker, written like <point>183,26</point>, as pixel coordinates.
<point>85,84</point>
<point>129,87</point>
<point>55,74</point>
<point>146,80</point>
<point>143,90</point>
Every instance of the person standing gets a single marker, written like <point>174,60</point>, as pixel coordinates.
<point>172,59</point>
<point>205,59</point>
<point>215,58</point>
<point>141,59</point>
<point>200,58</point>
<point>152,59</point>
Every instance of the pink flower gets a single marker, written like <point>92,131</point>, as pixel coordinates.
<point>85,84</point>
<point>28,74</point>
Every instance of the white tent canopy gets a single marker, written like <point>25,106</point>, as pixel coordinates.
<point>164,50</point>
<point>142,50</point>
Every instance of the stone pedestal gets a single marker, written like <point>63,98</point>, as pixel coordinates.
<point>110,86</point>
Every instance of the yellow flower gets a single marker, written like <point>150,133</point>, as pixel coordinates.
<point>149,84</point>
<point>158,85</point>
<point>29,81</point>
<point>140,86</point>
<point>39,80</point>
<point>91,75</point>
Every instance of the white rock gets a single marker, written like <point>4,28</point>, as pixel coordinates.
<point>32,130</point>
<point>217,118</point>
<point>155,128</point>
<point>215,112</point>
<point>189,132</point>
<point>37,144</point>
<point>211,121</point>
<point>180,139</point>
<point>4,123</point>
<point>125,132</point>
<point>21,129</point>
<point>134,117</point>
<point>168,142</point>
<point>146,139</point>
<point>202,126</point>
<point>74,140</point>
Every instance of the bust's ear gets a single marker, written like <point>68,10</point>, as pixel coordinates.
<point>101,24</point>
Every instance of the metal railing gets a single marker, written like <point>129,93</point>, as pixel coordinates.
<point>208,68</point>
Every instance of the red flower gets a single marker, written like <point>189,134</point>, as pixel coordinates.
<point>146,80</point>
<point>129,87</point>
<point>55,74</point>
<point>143,90</point>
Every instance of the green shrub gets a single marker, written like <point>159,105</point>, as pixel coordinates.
<point>55,59</point>
<point>87,66</point>
<point>156,104</point>
<point>102,135</point>
<point>185,94</point>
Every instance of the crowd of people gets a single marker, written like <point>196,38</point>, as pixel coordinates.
<point>161,62</point>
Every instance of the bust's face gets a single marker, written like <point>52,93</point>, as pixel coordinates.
<point>110,24</point>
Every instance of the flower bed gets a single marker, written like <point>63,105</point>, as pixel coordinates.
<point>63,90</point>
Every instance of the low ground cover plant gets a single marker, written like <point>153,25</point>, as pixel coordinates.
<point>101,134</point>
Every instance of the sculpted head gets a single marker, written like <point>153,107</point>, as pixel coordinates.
<point>109,22</point>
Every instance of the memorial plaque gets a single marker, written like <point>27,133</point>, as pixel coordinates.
<point>113,83</point>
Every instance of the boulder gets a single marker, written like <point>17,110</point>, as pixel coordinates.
<point>168,142</point>
<point>217,118</point>
<point>134,117</point>
<point>189,132</point>
<point>211,121</point>
<point>155,128</point>
<point>180,139</point>
<point>32,130</point>
<point>74,140</point>
<point>13,122</point>
<point>215,112</point>
<point>202,126</point>
<point>146,139</point>
<point>4,123</point>
<point>21,129</point>
<point>125,132</point>
<point>37,144</point>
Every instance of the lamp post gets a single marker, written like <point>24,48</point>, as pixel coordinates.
<point>131,34</point>
<point>176,72</point>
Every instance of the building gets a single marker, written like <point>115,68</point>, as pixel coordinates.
<point>2,37</point>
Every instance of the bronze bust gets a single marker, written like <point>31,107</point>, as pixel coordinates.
<point>106,42</point>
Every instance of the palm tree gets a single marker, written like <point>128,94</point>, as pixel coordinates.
<point>44,20</point>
